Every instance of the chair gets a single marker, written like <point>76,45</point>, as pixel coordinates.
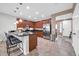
<point>12,42</point>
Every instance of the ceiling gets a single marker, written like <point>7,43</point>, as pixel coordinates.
<point>33,11</point>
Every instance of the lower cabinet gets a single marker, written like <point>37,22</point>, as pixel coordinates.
<point>39,34</point>
<point>32,42</point>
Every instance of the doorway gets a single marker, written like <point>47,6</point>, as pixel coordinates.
<point>64,27</point>
<point>64,30</point>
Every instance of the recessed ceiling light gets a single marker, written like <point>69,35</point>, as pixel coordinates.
<point>29,16</point>
<point>27,7</point>
<point>36,12</point>
<point>15,11</point>
<point>42,16</point>
<point>35,18</point>
<point>17,8</point>
<point>20,3</point>
<point>20,13</point>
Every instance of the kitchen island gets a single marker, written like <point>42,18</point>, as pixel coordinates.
<point>29,41</point>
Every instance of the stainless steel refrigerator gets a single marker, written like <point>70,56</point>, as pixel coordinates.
<point>47,30</point>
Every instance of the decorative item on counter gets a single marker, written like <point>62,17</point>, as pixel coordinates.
<point>20,30</point>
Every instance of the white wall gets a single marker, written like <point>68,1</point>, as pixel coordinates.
<point>6,24</point>
<point>66,27</point>
<point>76,29</point>
<point>65,16</point>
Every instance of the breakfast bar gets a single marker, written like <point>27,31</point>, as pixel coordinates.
<point>29,41</point>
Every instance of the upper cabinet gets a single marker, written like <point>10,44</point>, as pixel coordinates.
<point>31,24</point>
<point>21,24</point>
<point>38,24</point>
<point>25,23</point>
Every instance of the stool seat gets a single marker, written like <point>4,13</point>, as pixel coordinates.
<point>13,40</point>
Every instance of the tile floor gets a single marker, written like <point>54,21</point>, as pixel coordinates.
<point>61,47</point>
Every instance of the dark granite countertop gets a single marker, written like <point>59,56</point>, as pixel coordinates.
<point>21,34</point>
<point>25,33</point>
<point>32,30</point>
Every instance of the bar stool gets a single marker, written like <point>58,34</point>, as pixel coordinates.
<point>12,42</point>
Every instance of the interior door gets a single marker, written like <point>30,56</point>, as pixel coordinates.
<point>76,35</point>
<point>76,30</point>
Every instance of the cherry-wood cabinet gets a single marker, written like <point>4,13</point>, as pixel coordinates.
<point>24,23</point>
<point>39,33</point>
<point>21,24</point>
<point>38,24</point>
<point>32,42</point>
<point>31,24</point>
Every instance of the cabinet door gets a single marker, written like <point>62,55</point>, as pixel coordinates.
<point>31,24</point>
<point>39,24</point>
<point>39,34</point>
<point>32,42</point>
